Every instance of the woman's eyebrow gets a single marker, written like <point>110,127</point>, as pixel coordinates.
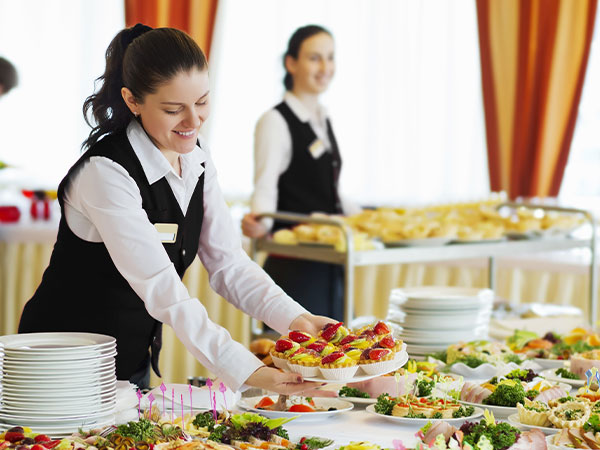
<point>180,103</point>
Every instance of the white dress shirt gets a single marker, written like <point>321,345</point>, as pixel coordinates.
<point>103,204</point>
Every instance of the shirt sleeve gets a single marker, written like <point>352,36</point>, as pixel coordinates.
<point>232,274</point>
<point>104,192</point>
<point>272,156</point>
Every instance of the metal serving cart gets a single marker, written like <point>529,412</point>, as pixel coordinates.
<point>352,258</point>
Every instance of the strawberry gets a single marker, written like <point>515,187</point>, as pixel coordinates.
<point>381,328</point>
<point>387,342</point>
<point>369,334</point>
<point>365,354</point>
<point>14,436</point>
<point>52,444</point>
<point>299,336</point>
<point>348,339</point>
<point>317,346</point>
<point>300,350</point>
<point>330,329</point>
<point>332,357</point>
<point>283,344</point>
<point>42,438</point>
<point>377,353</point>
<point>38,447</point>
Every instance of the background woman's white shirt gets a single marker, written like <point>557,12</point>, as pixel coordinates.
<point>103,204</point>
<point>273,153</point>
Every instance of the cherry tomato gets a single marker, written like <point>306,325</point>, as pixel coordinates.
<point>42,438</point>
<point>301,408</point>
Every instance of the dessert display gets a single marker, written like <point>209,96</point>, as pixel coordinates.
<point>338,353</point>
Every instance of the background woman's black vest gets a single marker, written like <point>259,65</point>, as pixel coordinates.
<point>83,291</point>
<point>309,185</point>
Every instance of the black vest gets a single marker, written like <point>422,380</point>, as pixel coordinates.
<point>308,184</point>
<point>82,290</point>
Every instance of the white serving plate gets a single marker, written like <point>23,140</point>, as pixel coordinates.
<point>58,430</point>
<point>14,415</point>
<point>550,363</point>
<point>55,342</point>
<point>513,419</point>
<point>24,398</point>
<point>420,422</point>
<point>43,379</point>
<point>499,411</point>
<point>37,417</point>
<point>51,366</point>
<point>320,402</point>
<point>91,373</point>
<point>62,388</point>
<point>426,321</point>
<point>551,376</point>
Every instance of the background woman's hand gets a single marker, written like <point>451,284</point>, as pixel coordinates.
<point>252,227</point>
<point>310,323</point>
<point>275,380</point>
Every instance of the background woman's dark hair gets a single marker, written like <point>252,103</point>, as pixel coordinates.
<point>141,59</point>
<point>8,76</point>
<point>299,36</point>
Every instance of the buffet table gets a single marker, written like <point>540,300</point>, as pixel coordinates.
<point>558,277</point>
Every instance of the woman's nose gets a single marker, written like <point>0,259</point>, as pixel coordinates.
<point>192,119</point>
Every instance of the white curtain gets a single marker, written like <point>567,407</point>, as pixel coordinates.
<point>405,102</point>
<point>58,49</point>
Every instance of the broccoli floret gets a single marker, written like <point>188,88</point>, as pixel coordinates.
<point>562,372</point>
<point>385,404</point>
<point>282,432</point>
<point>471,361</point>
<point>506,394</point>
<point>463,411</point>
<point>217,433</point>
<point>511,357</point>
<point>346,391</point>
<point>437,415</point>
<point>425,387</point>
<point>501,435</point>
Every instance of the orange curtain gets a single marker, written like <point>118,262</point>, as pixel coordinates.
<point>534,55</point>
<point>195,17</point>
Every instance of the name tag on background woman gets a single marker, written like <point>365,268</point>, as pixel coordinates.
<point>317,148</point>
<point>167,232</point>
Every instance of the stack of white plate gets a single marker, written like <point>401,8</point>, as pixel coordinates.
<point>56,383</point>
<point>433,317</point>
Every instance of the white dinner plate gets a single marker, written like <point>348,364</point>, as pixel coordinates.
<point>438,297</point>
<point>91,373</point>
<point>550,375</point>
<point>61,387</point>
<point>420,422</point>
<point>53,366</point>
<point>424,321</point>
<point>61,429</point>
<point>499,411</point>
<point>25,398</point>
<point>513,419</point>
<point>19,418</point>
<point>550,363</point>
<point>479,241</point>
<point>55,342</point>
<point>359,400</point>
<point>66,377</point>
<point>63,357</point>
<point>320,402</point>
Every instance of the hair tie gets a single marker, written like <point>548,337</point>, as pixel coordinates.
<point>130,34</point>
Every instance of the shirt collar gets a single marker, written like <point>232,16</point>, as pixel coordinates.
<point>154,164</point>
<point>301,111</point>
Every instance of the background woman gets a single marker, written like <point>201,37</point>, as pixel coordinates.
<point>137,207</point>
<point>297,168</point>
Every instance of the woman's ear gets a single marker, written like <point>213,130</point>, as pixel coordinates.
<point>130,101</point>
<point>290,64</point>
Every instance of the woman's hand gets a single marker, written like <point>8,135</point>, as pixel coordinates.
<point>310,323</point>
<point>252,227</point>
<point>275,380</point>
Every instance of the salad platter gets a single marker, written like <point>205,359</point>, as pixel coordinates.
<point>298,408</point>
<point>478,412</point>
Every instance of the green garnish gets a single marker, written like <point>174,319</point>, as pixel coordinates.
<point>425,387</point>
<point>506,394</point>
<point>142,430</point>
<point>346,391</point>
<point>564,373</point>
<point>314,443</point>
<point>463,411</point>
<point>385,404</point>
<point>205,420</point>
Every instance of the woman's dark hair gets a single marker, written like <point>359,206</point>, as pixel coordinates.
<point>8,76</point>
<point>299,36</point>
<point>141,59</point>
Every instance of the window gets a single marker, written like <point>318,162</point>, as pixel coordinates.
<point>405,103</point>
<point>582,173</point>
<point>58,49</point>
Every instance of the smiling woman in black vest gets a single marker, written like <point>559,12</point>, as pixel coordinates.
<point>137,207</point>
<point>297,168</point>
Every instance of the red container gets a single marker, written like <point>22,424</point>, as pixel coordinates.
<point>9,214</point>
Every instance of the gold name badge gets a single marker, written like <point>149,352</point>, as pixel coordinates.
<point>167,232</point>
<point>317,148</point>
